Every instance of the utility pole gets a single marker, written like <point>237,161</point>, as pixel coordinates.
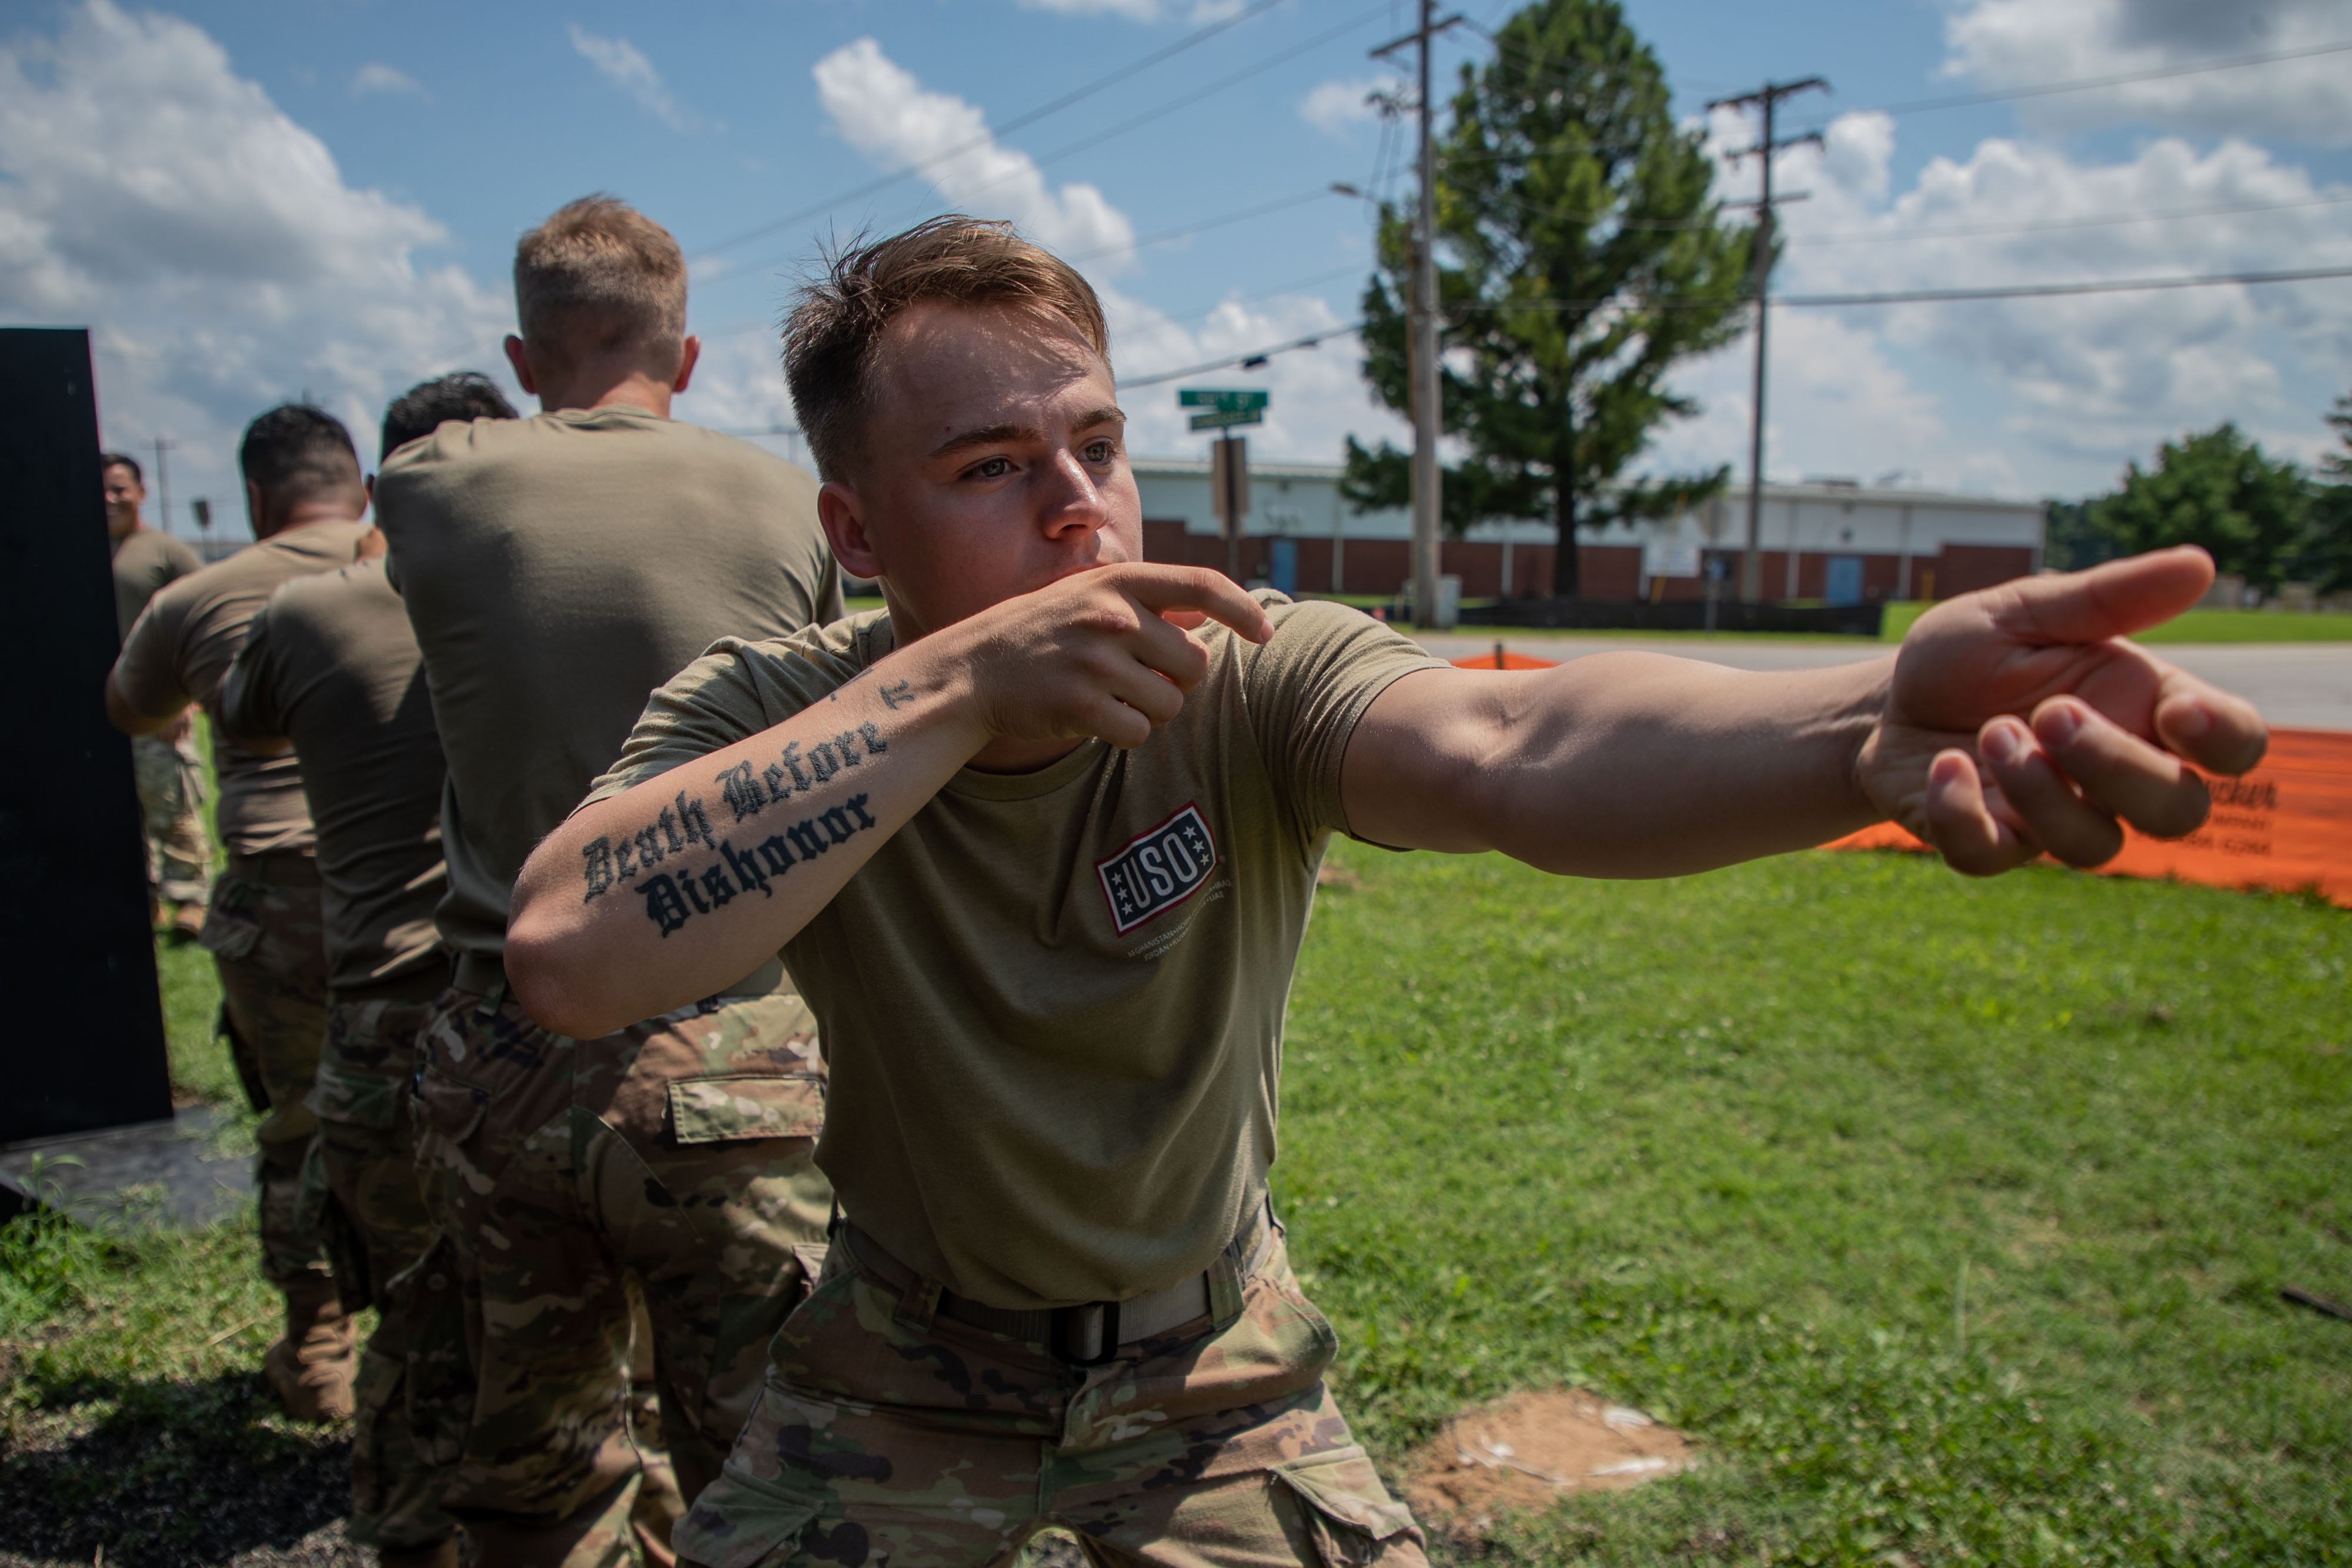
<point>1767,97</point>
<point>162,484</point>
<point>1422,357</point>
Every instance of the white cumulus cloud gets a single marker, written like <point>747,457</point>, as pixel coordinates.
<point>2022,43</point>
<point>880,108</point>
<point>149,191</point>
<point>1199,11</point>
<point>624,64</point>
<point>376,76</point>
<point>2046,394</point>
<point>1336,107</point>
<point>1317,396</point>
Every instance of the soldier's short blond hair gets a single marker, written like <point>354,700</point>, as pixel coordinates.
<point>599,277</point>
<point>840,315</point>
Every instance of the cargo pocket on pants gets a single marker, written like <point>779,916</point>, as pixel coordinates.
<point>1349,1513</point>
<point>729,1107</point>
<point>739,1522</point>
<point>449,1108</point>
<point>231,930</point>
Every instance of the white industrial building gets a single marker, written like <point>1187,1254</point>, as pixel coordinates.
<point>1831,539</point>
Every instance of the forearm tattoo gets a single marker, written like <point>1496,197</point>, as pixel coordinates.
<point>675,894</point>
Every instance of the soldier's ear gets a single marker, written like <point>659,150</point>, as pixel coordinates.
<point>842,513</point>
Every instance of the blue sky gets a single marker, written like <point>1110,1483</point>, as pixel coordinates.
<point>262,199</point>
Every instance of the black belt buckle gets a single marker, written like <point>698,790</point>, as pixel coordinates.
<point>1075,1327</point>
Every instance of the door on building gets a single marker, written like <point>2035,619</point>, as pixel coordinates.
<point>1282,565</point>
<point>1845,584</point>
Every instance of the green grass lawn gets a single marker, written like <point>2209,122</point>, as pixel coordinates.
<point>1947,1217</point>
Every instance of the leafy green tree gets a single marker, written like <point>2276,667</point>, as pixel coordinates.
<point>2071,537</point>
<point>2217,490</point>
<point>2324,555</point>
<point>1581,258</point>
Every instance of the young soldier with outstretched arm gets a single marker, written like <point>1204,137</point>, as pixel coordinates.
<point>1040,838</point>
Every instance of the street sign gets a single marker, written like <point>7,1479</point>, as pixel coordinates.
<point>1223,401</point>
<point>1222,417</point>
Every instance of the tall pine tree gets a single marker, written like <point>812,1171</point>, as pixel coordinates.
<point>1580,257</point>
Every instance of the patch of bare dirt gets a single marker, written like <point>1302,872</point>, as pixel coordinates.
<point>1529,1451</point>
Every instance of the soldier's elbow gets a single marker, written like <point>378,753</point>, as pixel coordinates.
<point>555,978</point>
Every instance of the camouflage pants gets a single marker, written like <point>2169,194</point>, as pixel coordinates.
<point>170,779</point>
<point>889,1436</point>
<point>416,1388</point>
<point>264,934</point>
<point>676,1152</point>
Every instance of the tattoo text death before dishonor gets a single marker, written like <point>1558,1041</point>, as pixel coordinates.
<point>674,895</point>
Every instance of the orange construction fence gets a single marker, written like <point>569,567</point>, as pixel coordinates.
<point>2285,825</point>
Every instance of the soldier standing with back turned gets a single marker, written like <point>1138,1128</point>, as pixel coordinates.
<point>556,569</point>
<point>330,668</point>
<point>169,773</point>
<point>303,492</point>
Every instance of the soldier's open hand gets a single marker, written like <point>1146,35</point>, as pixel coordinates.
<point>2020,721</point>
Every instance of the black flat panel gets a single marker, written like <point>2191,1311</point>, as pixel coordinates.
<point>82,1022</point>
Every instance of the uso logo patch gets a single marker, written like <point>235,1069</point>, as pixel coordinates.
<point>1159,869</point>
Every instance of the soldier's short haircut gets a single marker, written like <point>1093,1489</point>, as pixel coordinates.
<point>122,460</point>
<point>598,277</point>
<point>295,448</point>
<point>426,406</point>
<point>839,316</point>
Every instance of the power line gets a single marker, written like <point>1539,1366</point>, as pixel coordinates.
<point>2044,290</point>
<point>1311,340</point>
<point>1096,138</point>
<point>1166,235</point>
<point>1182,101</point>
<point>1280,289</point>
<point>2087,84</point>
<point>1198,36</point>
<point>1869,237</point>
<point>1928,295</point>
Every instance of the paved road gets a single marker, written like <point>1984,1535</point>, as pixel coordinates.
<point>2305,684</point>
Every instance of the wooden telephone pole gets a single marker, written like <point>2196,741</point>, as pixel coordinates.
<point>1427,475</point>
<point>1767,99</point>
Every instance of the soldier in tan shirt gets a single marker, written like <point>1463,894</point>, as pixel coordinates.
<point>169,775</point>
<point>556,569</point>
<point>304,494</point>
<point>330,668</point>
<point>1043,837</point>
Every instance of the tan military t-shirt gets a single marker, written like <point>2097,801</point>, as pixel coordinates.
<point>557,569</point>
<point>182,647</point>
<point>145,562</point>
<point>1053,1001</point>
<point>331,664</point>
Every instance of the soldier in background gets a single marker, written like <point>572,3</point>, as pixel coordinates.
<point>169,775</point>
<point>303,492</point>
<point>330,668</point>
<point>556,569</point>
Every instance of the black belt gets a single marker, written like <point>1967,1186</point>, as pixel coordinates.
<point>1088,1333</point>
